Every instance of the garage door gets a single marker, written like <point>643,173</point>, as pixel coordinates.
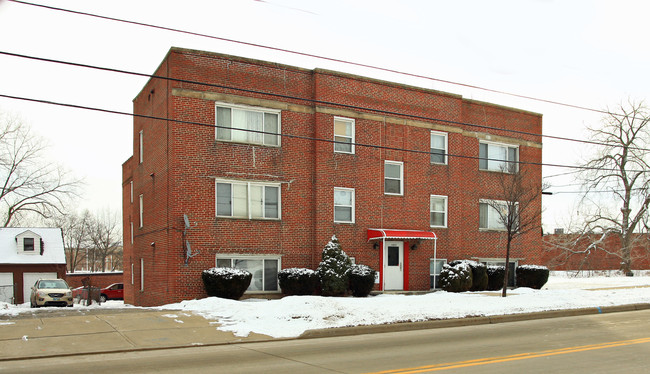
<point>30,278</point>
<point>7,287</point>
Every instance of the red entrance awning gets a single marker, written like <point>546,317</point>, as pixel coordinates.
<point>400,234</point>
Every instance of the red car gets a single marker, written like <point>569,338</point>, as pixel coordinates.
<point>113,292</point>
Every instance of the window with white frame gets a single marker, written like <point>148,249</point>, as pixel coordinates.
<point>493,214</point>
<point>248,125</point>
<point>264,270</point>
<point>435,267</point>
<point>344,205</point>
<point>438,211</point>
<point>438,147</point>
<point>498,157</point>
<point>131,184</point>
<point>141,210</point>
<point>250,200</point>
<point>393,177</point>
<point>343,135</point>
<point>141,147</point>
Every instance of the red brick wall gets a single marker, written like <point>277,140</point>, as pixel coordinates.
<point>182,161</point>
<point>96,279</point>
<point>564,252</point>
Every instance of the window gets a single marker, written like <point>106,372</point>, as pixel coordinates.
<point>248,199</point>
<point>438,211</point>
<point>28,244</point>
<point>343,135</point>
<point>141,147</point>
<point>131,184</point>
<point>141,210</point>
<point>393,178</point>
<point>490,216</point>
<point>344,205</point>
<point>131,225</point>
<point>438,147</point>
<point>498,157</point>
<point>248,125</point>
<point>435,267</point>
<point>264,270</point>
<point>142,274</point>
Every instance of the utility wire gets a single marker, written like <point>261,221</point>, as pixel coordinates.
<point>314,101</point>
<point>284,135</point>
<point>310,55</point>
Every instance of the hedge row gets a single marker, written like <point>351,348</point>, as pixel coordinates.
<point>466,275</point>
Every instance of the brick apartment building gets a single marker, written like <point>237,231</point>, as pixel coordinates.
<point>245,149</point>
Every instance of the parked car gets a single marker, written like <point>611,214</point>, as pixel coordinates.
<point>50,292</point>
<point>113,292</point>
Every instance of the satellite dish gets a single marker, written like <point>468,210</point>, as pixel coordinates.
<point>187,221</point>
<point>189,249</point>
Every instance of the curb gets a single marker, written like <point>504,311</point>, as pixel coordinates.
<point>467,321</point>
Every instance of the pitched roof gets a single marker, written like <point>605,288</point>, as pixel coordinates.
<point>53,252</point>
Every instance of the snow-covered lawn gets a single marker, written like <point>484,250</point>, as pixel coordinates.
<point>291,316</point>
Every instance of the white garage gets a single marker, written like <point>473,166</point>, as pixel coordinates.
<point>30,278</point>
<point>27,254</point>
<point>7,287</point>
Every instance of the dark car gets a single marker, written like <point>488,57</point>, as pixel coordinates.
<point>113,292</point>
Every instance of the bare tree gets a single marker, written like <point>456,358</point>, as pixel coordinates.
<point>106,238</point>
<point>519,209</point>
<point>29,183</point>
<point>75,228</point>
<point>621,167</point>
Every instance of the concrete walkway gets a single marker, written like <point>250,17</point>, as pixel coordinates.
<point>47,333</point>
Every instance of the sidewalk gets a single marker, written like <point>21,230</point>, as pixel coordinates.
<point>71,332</point>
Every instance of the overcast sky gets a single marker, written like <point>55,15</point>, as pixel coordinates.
<point>586,53</point>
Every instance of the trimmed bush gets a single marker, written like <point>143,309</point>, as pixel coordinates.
<point>362,280</point>
<point>532,276</point>
<point>496,275</point>
<point>227,283</point>
<point>479,274</point>
<point>456,278</point>
<point>334,269</point>
<point>298,281</point>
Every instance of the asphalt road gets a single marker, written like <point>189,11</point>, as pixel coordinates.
<point>606,343</point>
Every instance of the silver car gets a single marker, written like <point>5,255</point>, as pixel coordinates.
<point>50,292</point>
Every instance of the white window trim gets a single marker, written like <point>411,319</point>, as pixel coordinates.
<point>353,204</point>
<point>353,131</point>
<point>252,109</point>
<point>141,274</point>
<point>131,224</point>
<point>444,134</point>
<point>401,177</point>
<point>141,200</point>
<point>490,208</point>
<point>248,195</point>
<point>141,146</point>
<point>446,199</point>
<point>507,145</point>
<point>131,184</point>
<point>433,274</point>
<point>239,256</point>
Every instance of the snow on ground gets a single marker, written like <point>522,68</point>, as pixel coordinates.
<point>291,316</point>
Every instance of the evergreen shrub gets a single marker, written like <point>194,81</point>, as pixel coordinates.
<point>496,275</point>
<point>334,269</point>
<point>456,277</point>
<point>479,274</point>
<point>532,276</point>
<point>362,280</point>
<point>227,283</point>
<point>298,281</point>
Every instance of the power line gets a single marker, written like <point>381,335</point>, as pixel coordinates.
<point>310,55</point>
<point>110,111</point>
<point>385,112</point>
